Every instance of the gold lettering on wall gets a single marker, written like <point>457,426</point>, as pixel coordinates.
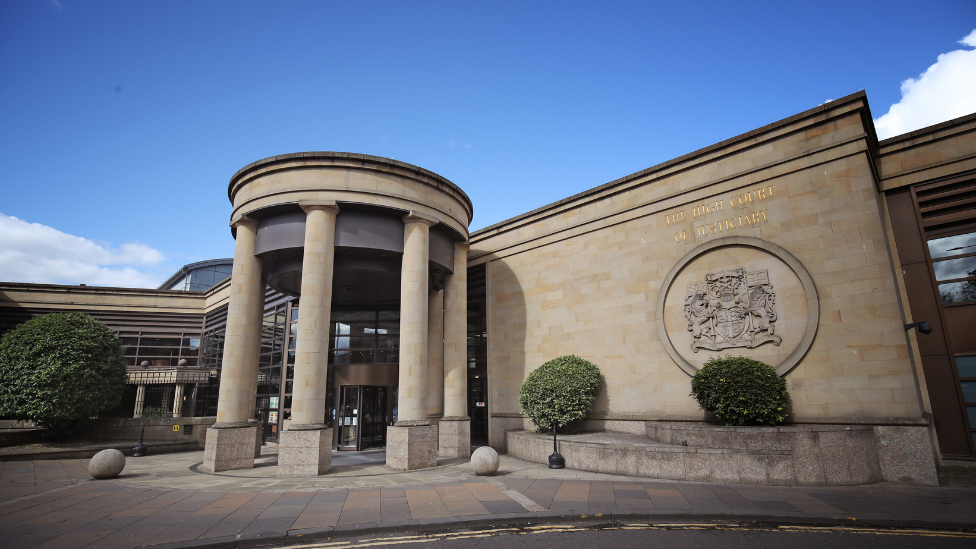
<point>755,195</point>
<point>675,217</point>
<point>748,219</point>
<point>708,208</point>
<point>711,207</point>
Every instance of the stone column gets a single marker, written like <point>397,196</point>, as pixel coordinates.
<point>435,356</point>
<point>140,400</point>
<point>178,400</point>
<point>305,449</point>
<point>455,426</point>
<point>412,442</point>
<point>230,441</point>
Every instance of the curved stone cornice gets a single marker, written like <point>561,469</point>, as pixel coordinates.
<point>423,188</point>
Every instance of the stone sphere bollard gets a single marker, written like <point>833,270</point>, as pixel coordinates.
<point>106,464</point>
<point>484,461</point>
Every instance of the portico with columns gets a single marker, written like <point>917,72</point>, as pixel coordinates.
<point>348,232</point>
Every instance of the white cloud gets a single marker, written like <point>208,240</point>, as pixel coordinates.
<point>55,4</point>
<point>31,252</point>
<point>943,92</point>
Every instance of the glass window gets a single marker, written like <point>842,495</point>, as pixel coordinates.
<point>968,391</point>
<point>952,245</point>
<point>955,268</point>
<point>387,342</point>
<point>957,292</point>
<point>356,328</point>
<point>158,351</point>
<point>360,357</point>
<point>203,276</point>
<point>388,327</point>
<point>160,342</point>
<point>966,366</point>
<point>354,316</point>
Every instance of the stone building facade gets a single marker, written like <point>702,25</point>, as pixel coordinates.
<point>806,244</point>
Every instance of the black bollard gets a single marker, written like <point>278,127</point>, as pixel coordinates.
<point>556,460</point>
<point>140,449</point>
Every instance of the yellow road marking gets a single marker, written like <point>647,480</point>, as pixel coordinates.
<point>556,528</point>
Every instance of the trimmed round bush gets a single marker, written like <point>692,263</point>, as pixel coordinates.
<point>560,391</point>
<point>741,391</point>
<point>58,369</point>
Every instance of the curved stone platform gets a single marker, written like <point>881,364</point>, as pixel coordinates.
<point>807,455</point>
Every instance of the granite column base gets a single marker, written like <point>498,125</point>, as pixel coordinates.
<point>454,437</point>
<point>229,446</point>
<point>411,447</point>
<point>305,453</point>
<point>258,437</point>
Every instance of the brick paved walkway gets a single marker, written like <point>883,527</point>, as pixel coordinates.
<point>166,500</point>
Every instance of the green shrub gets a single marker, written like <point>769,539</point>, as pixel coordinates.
<point>740,391</point>
<point>154,411</point>
<point>58,369</point>
<point>560,391</point>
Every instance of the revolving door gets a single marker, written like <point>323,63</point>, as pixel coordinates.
<point>361,417</point>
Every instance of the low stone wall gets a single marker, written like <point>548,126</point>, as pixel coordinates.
<point>805,455</point>
<point>157,429</point>
<point>17,437</point>
<point>152,448</point>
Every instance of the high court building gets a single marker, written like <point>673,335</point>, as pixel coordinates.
<point>359,311</point>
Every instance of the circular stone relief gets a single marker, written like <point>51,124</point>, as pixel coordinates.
<point>740,296</point>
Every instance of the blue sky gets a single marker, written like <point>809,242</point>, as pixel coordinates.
<point>122,122</point>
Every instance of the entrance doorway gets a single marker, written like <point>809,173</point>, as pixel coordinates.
<point>361,417</point>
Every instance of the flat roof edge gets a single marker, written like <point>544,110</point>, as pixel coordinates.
<point>856,96</point>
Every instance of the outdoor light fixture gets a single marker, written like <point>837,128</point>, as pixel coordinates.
<point>923,327</point>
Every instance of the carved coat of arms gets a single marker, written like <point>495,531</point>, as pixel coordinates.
<point>731,309</point>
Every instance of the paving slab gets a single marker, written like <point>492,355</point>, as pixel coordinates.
<point>167,499</point>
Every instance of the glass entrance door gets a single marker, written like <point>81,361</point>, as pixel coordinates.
<point>374,417</point>
<point>362,417</point>
<point>348,413</point>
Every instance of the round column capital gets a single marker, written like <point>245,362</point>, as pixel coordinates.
<point>312,205</point>
<point>243,221</point>
<point>417,217</point>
